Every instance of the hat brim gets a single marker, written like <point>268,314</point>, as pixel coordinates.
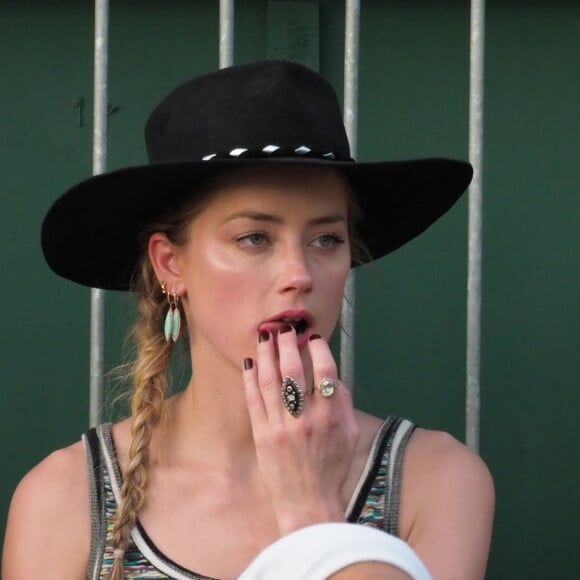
<point>90,233</point>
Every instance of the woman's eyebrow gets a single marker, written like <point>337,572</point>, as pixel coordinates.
<point>334,218</point>
<point>268,217</point>
<point>254,215</point>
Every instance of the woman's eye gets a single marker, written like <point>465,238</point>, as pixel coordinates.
<point>255,239</point>
<point>329,240</point>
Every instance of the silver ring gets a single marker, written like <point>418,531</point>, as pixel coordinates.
<point>292,396</point>
<point>327,387</point>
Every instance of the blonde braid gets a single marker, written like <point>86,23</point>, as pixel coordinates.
<point>147,410</point>
<point>149,377</point>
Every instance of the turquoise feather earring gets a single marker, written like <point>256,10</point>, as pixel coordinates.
<point>172,324</point>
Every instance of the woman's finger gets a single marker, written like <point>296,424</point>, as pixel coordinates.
<point>293,390</point>
<point>325,372</point>
<point>269,377</point>
<point>254,400</point>
<point>331,396</point>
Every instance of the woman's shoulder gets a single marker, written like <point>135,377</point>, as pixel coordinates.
<point>447,485</point>
<point>53,492</point>
<point>60,473</point>
<point>436,456</point>
<point>431,452</point>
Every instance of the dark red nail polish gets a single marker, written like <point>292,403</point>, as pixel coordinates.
<point>314,336</point>
<point>286,328</point>
<point>248,363</point>
<point>263,336</point>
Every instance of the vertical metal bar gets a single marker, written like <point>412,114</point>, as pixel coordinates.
<point>99,165</point>
<point>351,62</point>
<point>476,104</point>
<point>226,33</point>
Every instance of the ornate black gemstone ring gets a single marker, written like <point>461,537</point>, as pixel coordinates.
<point>292,396</point>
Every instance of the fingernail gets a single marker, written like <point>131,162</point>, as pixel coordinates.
<point>314,336</point>
<point>248,363</point>
<point>263,336</point>
<point>286,328</point>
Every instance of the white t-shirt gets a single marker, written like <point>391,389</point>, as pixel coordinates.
<point>318,551</point>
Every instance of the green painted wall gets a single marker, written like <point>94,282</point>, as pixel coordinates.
<point>414,80</point>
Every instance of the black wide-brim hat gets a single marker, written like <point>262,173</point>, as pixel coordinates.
<point>266,112</point>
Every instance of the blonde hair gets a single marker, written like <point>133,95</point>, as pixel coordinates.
<point>150,377</point>
<point>149,370</point>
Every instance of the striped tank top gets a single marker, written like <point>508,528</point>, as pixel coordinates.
<point>375,502</point>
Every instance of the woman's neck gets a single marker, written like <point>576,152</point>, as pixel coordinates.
<point>208,420</point>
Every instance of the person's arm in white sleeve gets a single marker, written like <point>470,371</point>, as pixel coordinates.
<point>341,551</point>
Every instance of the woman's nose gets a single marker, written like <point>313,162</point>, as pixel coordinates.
<point>295,271</point>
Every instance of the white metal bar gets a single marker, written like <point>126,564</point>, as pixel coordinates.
<point>99,165</point>
<point>351,66</point>
<point>226,48</point>
<point>476,105</point>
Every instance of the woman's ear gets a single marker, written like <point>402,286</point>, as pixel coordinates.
<point>164,259</point>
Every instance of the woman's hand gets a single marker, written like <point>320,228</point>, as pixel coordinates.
<point>304,459</point>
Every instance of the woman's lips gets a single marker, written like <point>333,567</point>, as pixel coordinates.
<point>300,325</point>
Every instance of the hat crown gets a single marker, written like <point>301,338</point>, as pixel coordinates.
<point>245,109</point>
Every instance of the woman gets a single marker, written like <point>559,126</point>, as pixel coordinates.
<point>239,236</point>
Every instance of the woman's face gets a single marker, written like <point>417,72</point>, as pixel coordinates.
<point>270,247</point>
